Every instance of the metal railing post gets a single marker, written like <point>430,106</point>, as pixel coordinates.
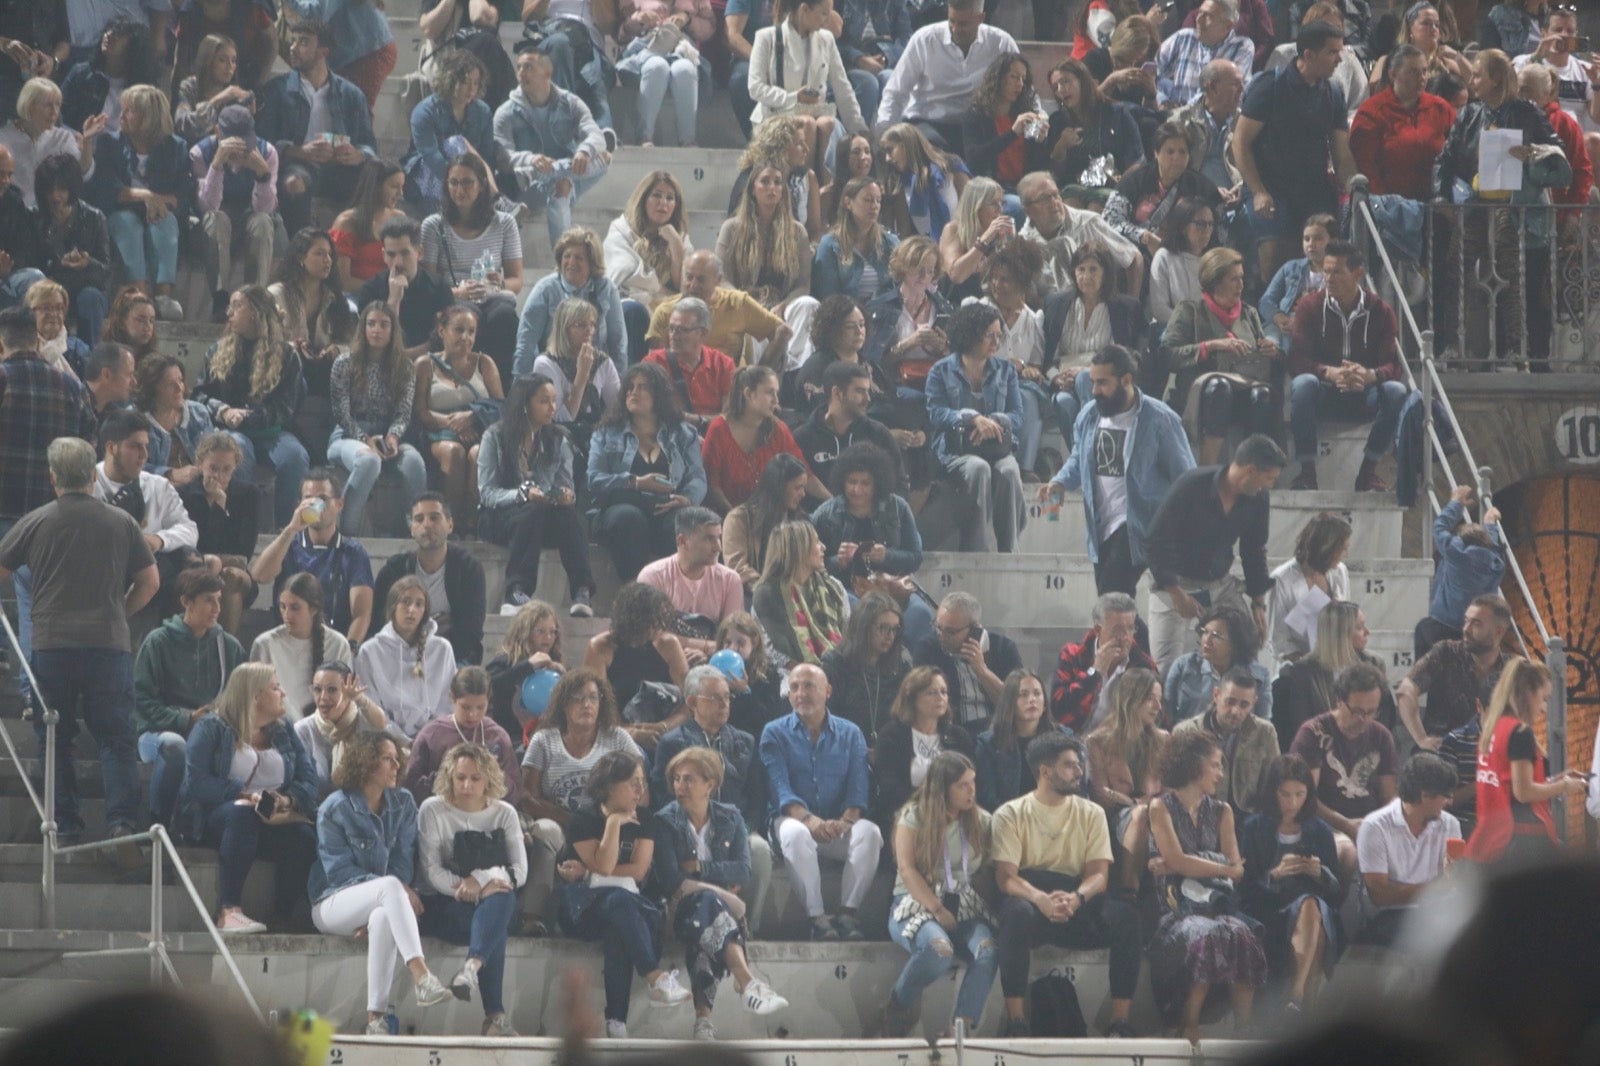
<point>48,827</point>
<point>158,936</point>
<point>1426,551</point>
<point>1555,659</point>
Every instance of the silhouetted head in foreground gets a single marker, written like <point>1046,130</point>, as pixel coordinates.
<point>147,1028</point>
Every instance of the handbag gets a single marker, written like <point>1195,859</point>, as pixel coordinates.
<point>476,849</point>
<point>956,442</point>
<point>485,409</point>
<point>654,701</point>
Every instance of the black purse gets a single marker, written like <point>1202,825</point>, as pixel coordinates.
<point>475,849</point>
<point>956,442</point>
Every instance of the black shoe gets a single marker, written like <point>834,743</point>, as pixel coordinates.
<point>822,929</point>
<point>1119,1030</point>
<point>1016,1029</point>
<point>895,1021</point>
<point>848,927</point>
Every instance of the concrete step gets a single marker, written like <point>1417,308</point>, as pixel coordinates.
<point>99,906</point>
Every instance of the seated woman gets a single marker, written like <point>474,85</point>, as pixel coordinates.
<point>239,754</point>
<point>1228,638</point>
<point>853,256</point>
<point>526,496</point>
<point>756,697</point>
<point>661,48</point>
<point>1120,64</point>
<point>1150,191</point>
<point>449,383</point>
<point>1294,279</point>
<point>1315,576</point>
<point>341,712</point>
<point>532,643</point>
<point>644,464</point>
<point>1186,234</point>
<point>224,512</point>
<point>48,302</point>
<point>358,251</point>
<point>1224,361</point>
<point>784,141</point>
<point>779,497</point>
<point>131,322</point>
<point>586,379</point>
<point>212,87</point>
<point>866,669</point>
<point>904,337</point>
<point>742,441</point>
<point>640,647</point>
<point>1093,140</point>
<point>580,272</point>
<point>838,334</point>
<point>1079,323</point>
<point>1002,750</point>
<point>767,253</point>
<point>373,386</point>
<point>1124,768</point>
<point>645,248</point>
<point>921,184</point>
<point>919,727</point>
<point>361,882</point>
<point>1004,129</point>
<point>75,242</point>
<point>607,839</point>
<point>251,385</point>
<point>469,847</point>
<point>1303,687</point>
<point>1009,281</point>
<point>1192,840</point>
<point>712,845</point>
<point>980,227</point>
<point>141,180</point>
<point>798,74</point>
<point>1291,885</point>
<point>123,55</point>
<point>408,667</point>
<point>941,819</point>
<point>454,110</point>
<point>975,406</point>
<point>802,608</point>
<point>176,422</point>
<point>477,251</point>
<point>855,157</point>
<point>318,322</point>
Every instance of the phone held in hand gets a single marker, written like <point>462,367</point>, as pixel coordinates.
<point>267,806</point>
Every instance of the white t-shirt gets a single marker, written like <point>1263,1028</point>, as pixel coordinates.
<point>320,121</point>
<point>1574,88</point>
<point>257,771</point>
<point>562,777</point>
<point>924,746</point>
<point>1385,845</point>
<point>438,597</point>
<point>1111,471</point>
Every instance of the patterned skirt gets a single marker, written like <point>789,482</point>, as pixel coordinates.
<point>704,926</point>
<point>1190,949</point>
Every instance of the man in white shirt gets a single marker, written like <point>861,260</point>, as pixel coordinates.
<point>1062,230</point>
<point>1576,80</point>
<point>1401,846</point>
<point>933,83</point>
<point>151,500</point>
<point>692,578</point>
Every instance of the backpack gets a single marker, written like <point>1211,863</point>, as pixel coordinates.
<point>1053,1007</point>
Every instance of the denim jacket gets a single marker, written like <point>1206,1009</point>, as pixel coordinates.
<point>208,763</point>
<point>433,123</point>
<point>953,404</point>
<point>1288,285</point>
<point>826,777</point>
<point>196,424</point>
<point>359,27</point>
<point>1157,452</point>
<point>739,766</point>
<point>883,316</point>
<point>611,452</point>
<point>559,129</point>
<point>891,27</point>
<point>552,468</point>
<point>356,845</point>
<point>1000,776</point>
<point>533,332</point>
<point>284,113</point>
<point>829,276</point>
<point>728,836</point>
<point>166,172</point>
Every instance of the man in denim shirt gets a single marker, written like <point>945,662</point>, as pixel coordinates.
<point>557,149</point>
<point>817,782</point>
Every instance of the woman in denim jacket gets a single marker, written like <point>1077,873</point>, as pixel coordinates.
<point>454,110</point>
<point>176,422</point>
<point>238,755</point>
<point>366,861</point>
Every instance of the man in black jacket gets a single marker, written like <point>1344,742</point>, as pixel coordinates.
<point>20,256</point>
<point>843,421</point>
<point>454,578</point>
<point>975,661</point>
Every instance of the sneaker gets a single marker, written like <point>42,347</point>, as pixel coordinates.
<point>759,998</point>
<point>378,1027</point>
<point>581,607</point>
<point>1371,483</point>
<point>517,597</point>
<point>895,1021</point>
<point>610,136</point>
<point>822,929</point>
<point>497,1025</point>
<point>236,922</point>
<point>1306,479</point>
<point>665,991</point>
<point>849,928</point>
<point>1119,1029</point>
<point>168,309</point>
<point>704,1030</point>
<point>465,983</point>
<point>1016,1029</point>
<point>429,991</point>
<point>616,1030</point>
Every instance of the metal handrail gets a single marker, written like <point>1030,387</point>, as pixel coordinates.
<point>161,847</point>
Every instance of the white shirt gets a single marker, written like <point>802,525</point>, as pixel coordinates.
<point>257,771</point>
<point>1076,228</point>
<point>292,658</point>
<point>1111,471</point>
<point>934,80</point>
<point>321,121</point>
<point>1385,845</point>
<point>27,152</point>
<point>1575,88</point>
<point>924,746</point>
<point>1022,342</point>
<point>411,689</point>
<point>1285,635</point>
<point>164,514</point>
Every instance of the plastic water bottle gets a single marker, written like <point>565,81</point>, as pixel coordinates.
<point>480,269</point>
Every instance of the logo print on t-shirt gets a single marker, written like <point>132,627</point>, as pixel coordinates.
<point>1110,452</point>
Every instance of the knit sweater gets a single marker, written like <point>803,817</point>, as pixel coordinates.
<point>363,403</point>
<point>438,822</point>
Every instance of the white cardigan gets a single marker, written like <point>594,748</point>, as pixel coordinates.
<point>628,272</point>
<point>826,69</point>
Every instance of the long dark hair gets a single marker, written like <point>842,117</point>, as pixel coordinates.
<point>664,399</point>
<point>481,213</point>
<point>514,423</point>
<point>305,586</point>
<point>142,68</point>
<point>987,98</point>
<point>856,647</point>
<point>767,505</point>
<point>391,361</point>
<point>365,200</point>
<point>292,275</point>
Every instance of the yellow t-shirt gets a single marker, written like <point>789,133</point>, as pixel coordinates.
<point>1065,839</point>
<point>734,315</point>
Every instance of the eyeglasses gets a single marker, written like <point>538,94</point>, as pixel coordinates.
<point>50,309</point>
<point>462,183</point>
<point>684,329</point>
<point>1207,635</point>
<point>952,631</point>
<point>886,629</point>
<point>715,701</point>
<point>588,699</point>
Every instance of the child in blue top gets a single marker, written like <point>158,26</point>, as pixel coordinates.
<point>1294,279</point>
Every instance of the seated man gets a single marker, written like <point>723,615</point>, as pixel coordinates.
<point>693,579</point>
<point>1185,54</point>
<point>1079,699</point>
<point>108,374</point>
<point>843,421</point>
<point>21,256</point>
<point>1249,742</point>
<point>236,172</point>
<point>1345,363</point>
<point>817,788</point>
<point>1061,230</point>
<point>576,46</point>
<point>975,661</point>
<point>706,692</point>
<point>149,499</point>
<point>1352,757</point>
<point>702,375</point>
<point>177,677</point>
<point>1052,858</point>
<point>940,69</point>
<point>737,318</point>
<point>415,295</point>
<point>312,541</point>
<point>467,722</point>
<point>556,148</point>
<point>452,574</point>
<point>1401,846</point>
<point>224,513</point>
<point>1457,676</point>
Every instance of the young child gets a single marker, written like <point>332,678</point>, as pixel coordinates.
<point>1472,561</point>
<point>1294,279</point>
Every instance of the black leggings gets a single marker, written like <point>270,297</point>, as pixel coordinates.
<point>526,529</point>
<point>1225,404</point>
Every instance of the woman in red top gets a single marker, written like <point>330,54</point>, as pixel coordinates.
<point>742,441</point>
<point>1513,795</point>
<point>1397,134</point>
<point>997,127</point>
<point>359,253</point>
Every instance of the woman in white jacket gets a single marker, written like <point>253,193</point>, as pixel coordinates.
<point>791,73</point>
<point>645,250</point>
<point>407,667</point>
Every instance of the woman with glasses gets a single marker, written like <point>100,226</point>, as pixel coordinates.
<point>866,669</point>
<point>1228,638</point>
<point>1190,228</point>
<point>1150,192</point>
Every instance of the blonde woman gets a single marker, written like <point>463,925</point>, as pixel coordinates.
<point>251,383</point>
<point>792,75</point>
<point>645,249</point>
<point>765,252</point>
<point>586,379</point>
<point>921,184</point>
<point>1125,760</point>
<point>408,666</point>
<point>532,643</point>
<point>853,257</point>
<point>248,790</point>
<point>470,886</point>
<point>981,228</point>
<point>802,607</point>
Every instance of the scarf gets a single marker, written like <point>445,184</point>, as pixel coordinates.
<point>338,733</point>
<point>54,352</point>
<point>1227,318</point>
<point>816,611</point>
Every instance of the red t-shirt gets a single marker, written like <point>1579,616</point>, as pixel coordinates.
<point>732,471</point>
<point>366,257</point>
<point>1499,815</point>
<point>707,384</point>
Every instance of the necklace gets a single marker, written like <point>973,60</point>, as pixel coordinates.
<point>466,739</point>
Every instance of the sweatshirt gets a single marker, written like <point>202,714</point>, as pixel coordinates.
<point>176,671</point>
<point>292,658</point>
<point>1465,571</point>
<point>434,741</point>
<point>388,665</point>
<point>438,822</point>
<point>1323,336</point>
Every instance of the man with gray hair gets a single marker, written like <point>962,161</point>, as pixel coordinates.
<point>91,570</point>
<point>693,579</point>
<point>1208,123</point>
<point>1185,54</point>
<point>975,661</point>
<point>1079,696</point>
<point>701,375</point>
<point>738,320</point>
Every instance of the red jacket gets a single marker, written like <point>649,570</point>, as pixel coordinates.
<point>1570,134</point>
<point>1073,695</point>
<point>1497,821</point>
<point>1395,147</point>
<point>1322,338</point>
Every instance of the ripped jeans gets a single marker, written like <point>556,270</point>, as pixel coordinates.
<point>973,943</point>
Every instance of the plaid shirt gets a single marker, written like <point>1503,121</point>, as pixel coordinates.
<point>38,403</point>
<point>1183,57</point>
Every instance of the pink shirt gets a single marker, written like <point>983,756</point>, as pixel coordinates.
<point>717,594</point>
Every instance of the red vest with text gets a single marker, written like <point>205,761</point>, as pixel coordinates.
<point>1496,824</point>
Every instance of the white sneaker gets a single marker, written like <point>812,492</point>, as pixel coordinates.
<point>464,983</point>
<point>430,991</point>
<point>378,1027</point>
<point>759,998</point>
<point>665,991</point>
<point>498,1025</point>
<point>616,1030</point>
<point>236,922</point>
<point>168,309</point>
<point>704,1030</point>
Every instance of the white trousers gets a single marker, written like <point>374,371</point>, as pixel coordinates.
<point>383,907</point>
<point>858,849</point>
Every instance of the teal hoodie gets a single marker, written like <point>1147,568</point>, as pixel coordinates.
<point>177,672</point>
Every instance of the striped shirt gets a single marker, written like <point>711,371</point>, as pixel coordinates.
<point>450,255</point>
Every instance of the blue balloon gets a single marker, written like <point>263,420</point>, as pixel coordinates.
<point>730,662</point>
<point>536,691</point>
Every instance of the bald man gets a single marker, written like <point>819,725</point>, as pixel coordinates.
<point>736,316</point>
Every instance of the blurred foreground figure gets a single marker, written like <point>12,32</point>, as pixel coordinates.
<point>146,1028</point>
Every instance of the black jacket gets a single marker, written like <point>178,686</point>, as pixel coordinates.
<point>19,236</point>
<point>891,766</point>
<point>1001,658</point>
<point>463,584</point>
<point>1130,325</point>
<point>85,230</point>
<point>863,698</point>
<point>820,446</point>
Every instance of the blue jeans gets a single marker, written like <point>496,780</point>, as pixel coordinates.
<point>483,927</point>
<point>1034,399</point>
<point>15,286</point>
<point>166,751</point>
<point>658,75</point>
<point>540,196</point>
<point>90,314</point>
<point>1310,399</point>
<point>146,248</point>
<point>592,81</point>
<point>636,317</point>
<point>625,924</point>
<point>364,465</point>
<point>869,91</point>
<point>289,461</point>
<point>1069,402</point>
<point>972,943</point>
<point>96,684</point>
<point>241,837</point>
<point>744,104</point>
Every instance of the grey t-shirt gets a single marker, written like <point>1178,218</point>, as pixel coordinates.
<point>562,776</point>
<point>83,555</point>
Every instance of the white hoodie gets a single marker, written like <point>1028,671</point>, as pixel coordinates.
<point>387,665</point>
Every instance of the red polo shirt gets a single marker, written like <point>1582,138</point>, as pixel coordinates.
<point>707,385</point>
<point>1395,148</point>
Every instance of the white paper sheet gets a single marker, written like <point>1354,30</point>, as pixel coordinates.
<point>1303,617</point>
<point>1497,170</point>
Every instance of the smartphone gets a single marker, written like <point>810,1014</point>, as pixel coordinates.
<point>266,805</point>
<point>1148,68</point>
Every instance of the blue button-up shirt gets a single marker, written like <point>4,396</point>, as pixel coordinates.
<point>826,776</point>
<point>356,844</point>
